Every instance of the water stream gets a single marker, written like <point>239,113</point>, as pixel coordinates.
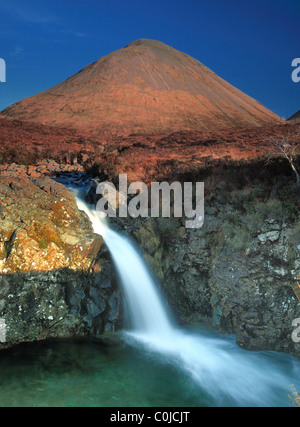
<point>154,362</point>
<point>229,375</point>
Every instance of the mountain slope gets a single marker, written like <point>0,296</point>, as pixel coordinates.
<point>146,87</point>
<point>295,118</point>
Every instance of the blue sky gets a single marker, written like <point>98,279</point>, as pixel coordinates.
<point>249,43</point>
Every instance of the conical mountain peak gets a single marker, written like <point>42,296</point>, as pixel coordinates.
<point>148,42</point>
<point>145,87</point>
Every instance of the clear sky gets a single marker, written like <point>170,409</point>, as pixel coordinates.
<point>249,43</point>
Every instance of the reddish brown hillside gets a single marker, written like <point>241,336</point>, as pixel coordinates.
<point>145,88</point>
<point>25,142</point>
<point>142,157</point>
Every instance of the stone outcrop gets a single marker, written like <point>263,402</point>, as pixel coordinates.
<point>41,169</point>
<point>55,277</point>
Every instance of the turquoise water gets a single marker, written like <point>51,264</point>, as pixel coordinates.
<point>111,374</point>
<point>89,374</point>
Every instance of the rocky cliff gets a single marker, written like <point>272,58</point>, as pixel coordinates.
<point>55,276</point>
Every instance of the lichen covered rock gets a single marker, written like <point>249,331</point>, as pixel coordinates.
<point>41,228</point>
<point>55,278</point>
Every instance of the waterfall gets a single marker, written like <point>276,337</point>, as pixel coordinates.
<point>148,314</point>
<point>216,363</point>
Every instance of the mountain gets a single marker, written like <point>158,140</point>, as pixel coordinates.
<point>295,118</point>
<point>146,87</point>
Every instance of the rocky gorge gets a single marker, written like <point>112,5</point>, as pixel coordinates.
<point>235,274</point>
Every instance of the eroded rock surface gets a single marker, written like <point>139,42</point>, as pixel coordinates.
<point>56,279</point>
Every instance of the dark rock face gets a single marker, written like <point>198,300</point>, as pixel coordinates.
<point>57,304</point>
<point>236,272</point>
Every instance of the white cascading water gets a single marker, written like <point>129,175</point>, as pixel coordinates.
<point>151,318</point>
<point>224,371</point>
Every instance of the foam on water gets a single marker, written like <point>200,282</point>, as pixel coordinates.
<point>231,375</point>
